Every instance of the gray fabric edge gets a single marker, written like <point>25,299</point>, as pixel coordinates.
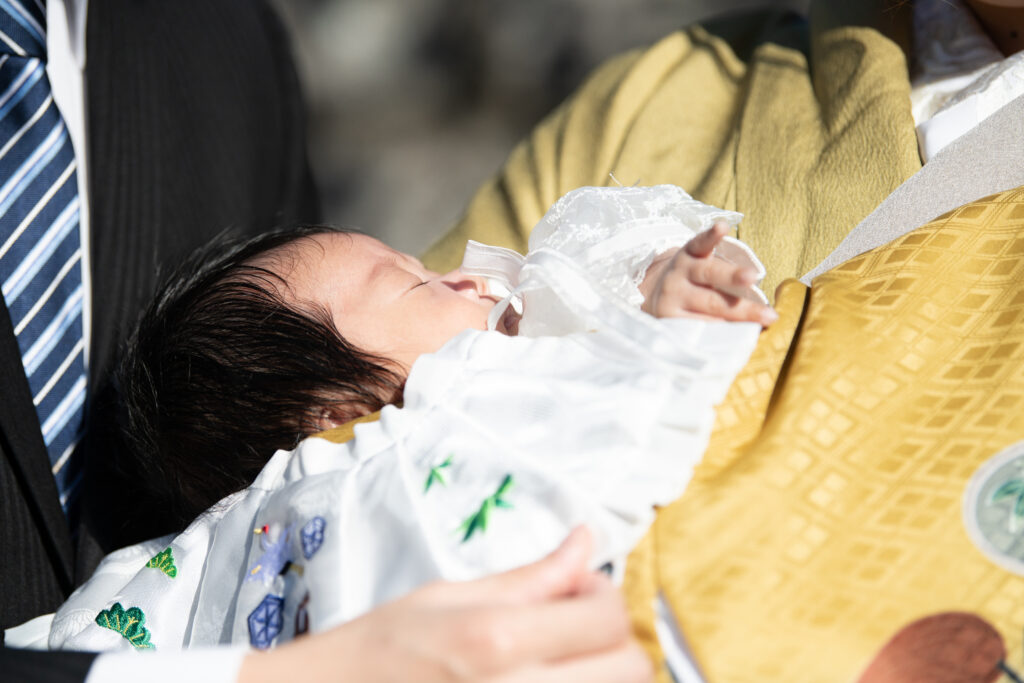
<point>984,161</point>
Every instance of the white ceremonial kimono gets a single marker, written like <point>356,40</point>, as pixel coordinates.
<point>593,415</point>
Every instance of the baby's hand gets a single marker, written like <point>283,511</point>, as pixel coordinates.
<point>691,282</point>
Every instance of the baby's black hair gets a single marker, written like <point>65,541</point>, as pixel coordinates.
<point>223,370</point>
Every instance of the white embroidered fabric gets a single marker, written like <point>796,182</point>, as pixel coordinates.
<point>605,237</point>
<point>502,446</point>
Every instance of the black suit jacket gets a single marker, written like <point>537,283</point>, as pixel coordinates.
<point>195,124</point>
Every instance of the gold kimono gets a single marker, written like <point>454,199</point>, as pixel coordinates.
<point>827,511</point>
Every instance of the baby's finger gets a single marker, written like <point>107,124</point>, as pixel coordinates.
<point>722,275</point>
<point>704,243</point>
<point>729,307</point>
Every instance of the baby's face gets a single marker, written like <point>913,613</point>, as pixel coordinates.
<point>383,301</point>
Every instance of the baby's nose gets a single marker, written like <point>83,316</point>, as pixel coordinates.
<point>469,285</point>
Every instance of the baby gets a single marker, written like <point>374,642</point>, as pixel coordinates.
<point>593,413</point>
<point>250,347</point>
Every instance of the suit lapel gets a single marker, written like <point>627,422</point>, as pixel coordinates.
<point>22,440</point>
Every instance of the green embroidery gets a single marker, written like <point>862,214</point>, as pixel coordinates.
<point>436,476</point>
<point>478,520</point>
<point>164,561</point>
<point>129,623</point>
<point>1010,489</point>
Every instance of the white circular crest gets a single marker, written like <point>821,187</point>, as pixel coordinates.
<point>993,508</point>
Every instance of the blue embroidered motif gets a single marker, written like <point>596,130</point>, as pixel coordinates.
<point>266,621</point>
<point>274,559</point>
<point>313,536</point>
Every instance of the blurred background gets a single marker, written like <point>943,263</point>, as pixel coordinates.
<point>414,103</point>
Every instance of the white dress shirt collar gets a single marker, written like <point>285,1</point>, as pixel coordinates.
<point>75,13</point>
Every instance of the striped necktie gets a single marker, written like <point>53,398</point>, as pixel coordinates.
<point>40,244</point>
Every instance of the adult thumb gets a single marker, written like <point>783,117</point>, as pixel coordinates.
<point>561,573</point>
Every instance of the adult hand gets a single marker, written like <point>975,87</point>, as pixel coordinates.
<point>552,620</point>
<point>691,282</point>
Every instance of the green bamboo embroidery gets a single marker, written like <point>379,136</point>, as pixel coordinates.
<point>1012,488</point>
<point>478,520</point>
<point>435,476</point>
<point>164,561</point>
<point>130,623</point>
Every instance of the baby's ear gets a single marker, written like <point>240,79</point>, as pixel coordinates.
<point>329,417</point>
